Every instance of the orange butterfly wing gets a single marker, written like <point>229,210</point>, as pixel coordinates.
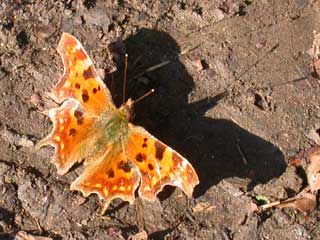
<point>158,164</point>
<point>80,79</point>
<point>111,176</point>
<point>143,160</point>
<point>75,134</point>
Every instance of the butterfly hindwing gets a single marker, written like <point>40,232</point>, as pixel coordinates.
<point>80,79</point>
<point>111,176</point>
<point>73,135</point>
<point>142,162</point>
<point>158,164</point>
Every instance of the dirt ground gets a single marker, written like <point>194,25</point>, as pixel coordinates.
<point>237,98</point>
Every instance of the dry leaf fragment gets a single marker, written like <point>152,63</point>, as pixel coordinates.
<point>313,171</point>
<point>307,202</point>
<point>313,136</point>
<point>25,236</point>
<point>316,53</point>
<point>316,65</point>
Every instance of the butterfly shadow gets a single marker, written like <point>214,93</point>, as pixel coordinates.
<point>217,148</point>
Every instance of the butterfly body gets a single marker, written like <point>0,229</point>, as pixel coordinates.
<point>119,157</point>
<point>114,125</point>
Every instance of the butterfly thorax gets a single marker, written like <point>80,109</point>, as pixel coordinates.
<point>114,123</point>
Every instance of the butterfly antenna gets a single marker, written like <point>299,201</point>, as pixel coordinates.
<point>125,77</point>
<point>144,96</point>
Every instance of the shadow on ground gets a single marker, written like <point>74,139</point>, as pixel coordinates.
<point>217,148</point>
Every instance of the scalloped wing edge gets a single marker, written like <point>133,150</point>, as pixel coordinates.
<point>48,139</point>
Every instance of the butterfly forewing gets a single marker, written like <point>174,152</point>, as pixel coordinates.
<point>80,79</point>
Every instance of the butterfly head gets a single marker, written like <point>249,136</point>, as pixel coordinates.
<point>127,109</point>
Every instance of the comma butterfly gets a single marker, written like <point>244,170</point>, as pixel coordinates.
<point>119,157</point>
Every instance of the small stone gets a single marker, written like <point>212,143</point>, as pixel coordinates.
<point>68,12</point>
<point>218,13</point>
<point>101,72</point>
<point>198,64</point>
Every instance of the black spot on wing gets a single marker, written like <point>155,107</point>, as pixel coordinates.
<point>140,157</point>
<point>77,85</point>
<point>150,166</point>
<point>89,73</point>
<point>110,173</point>
<point>125,166</point>
<point>72,132</point>
<point>80,121</point>
<point>144,144</point>
<point>77,114</point>
<point>160,148</point>
<point>85,96</point>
